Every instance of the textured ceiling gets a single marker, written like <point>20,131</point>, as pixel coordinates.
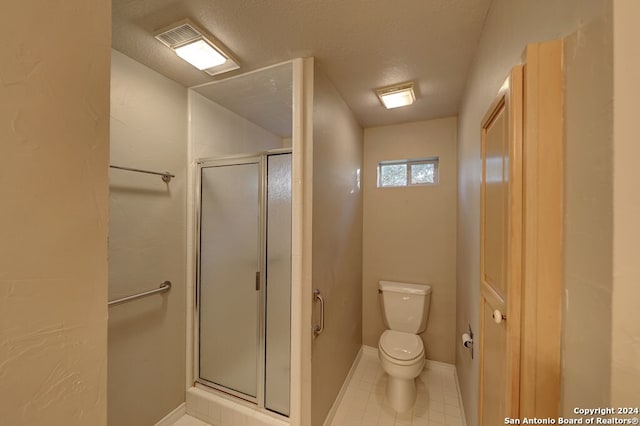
<point>263,97</point>
<point>359,44</point>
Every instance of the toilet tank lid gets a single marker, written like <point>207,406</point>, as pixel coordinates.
<point>398,287</point>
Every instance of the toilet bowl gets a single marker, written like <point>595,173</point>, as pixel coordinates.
<point>402,358</point>
<point>400,349</point>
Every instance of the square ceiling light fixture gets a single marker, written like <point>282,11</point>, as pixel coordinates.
<point>398,95</point>
<point>195,46</point>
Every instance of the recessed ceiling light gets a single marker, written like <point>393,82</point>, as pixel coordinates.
<point>200,54</point>
<point>395,96</point>
<point>195,46</point>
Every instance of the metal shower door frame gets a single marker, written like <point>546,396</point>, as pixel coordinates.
<point>261,159</point>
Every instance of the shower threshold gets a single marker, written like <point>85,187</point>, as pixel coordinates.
<point>219,408</point>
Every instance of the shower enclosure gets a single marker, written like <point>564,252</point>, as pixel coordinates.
<point>244,277</point>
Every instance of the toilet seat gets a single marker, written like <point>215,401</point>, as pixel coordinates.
<point>401,347</point>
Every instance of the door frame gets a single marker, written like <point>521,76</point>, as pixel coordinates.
<point>543,228</point>
<point>259,158</point>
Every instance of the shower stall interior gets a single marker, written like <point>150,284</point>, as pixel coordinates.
<point>244,277</point>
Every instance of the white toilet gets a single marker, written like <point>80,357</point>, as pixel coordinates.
<point>405,308</point>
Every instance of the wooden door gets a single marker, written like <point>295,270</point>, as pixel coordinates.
<point>501,254</point>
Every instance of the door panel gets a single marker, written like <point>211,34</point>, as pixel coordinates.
<point>494,362</point>
<point>495,188</point>
<point>278,283</point>
<point>229,259</point>
<point>501,254</point>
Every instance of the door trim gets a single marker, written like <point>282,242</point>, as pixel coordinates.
<point>543,227</point>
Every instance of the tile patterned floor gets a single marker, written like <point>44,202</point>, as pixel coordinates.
<point>187,420</point>
<point>364,402</point>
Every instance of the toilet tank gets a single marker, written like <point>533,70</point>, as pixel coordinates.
<point>405,306</point>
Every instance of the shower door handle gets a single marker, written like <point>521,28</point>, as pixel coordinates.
<point>317,297</point>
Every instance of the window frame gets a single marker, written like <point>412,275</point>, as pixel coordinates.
<point>409,163</point>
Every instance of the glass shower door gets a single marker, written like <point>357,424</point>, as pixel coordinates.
<point>278,284</point>
<point>230,258</point>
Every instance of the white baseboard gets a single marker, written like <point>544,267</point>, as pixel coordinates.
<point>440,366</point>
<point>464,415</point>
<point>173,416</point>
<point>343,389</point>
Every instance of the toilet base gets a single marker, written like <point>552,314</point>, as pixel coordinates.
<point>401,393</point>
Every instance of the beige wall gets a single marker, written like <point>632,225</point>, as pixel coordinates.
<point>410,233</point>
<point>588,217</point>
<point>216,131</point>
<point>147,234</point>
<point>508,28</point>
<point>54,151</point>
<point>337,242</point>
<point>625,359</point>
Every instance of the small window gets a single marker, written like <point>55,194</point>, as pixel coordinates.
<point>408,172</point>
